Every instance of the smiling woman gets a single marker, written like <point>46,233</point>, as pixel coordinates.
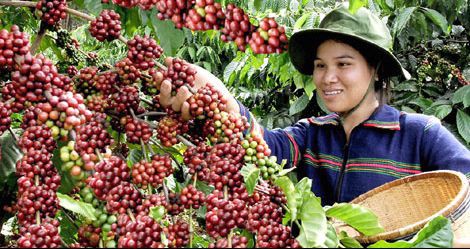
<point>363,143</point>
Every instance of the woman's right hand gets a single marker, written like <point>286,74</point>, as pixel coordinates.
<point>179,102</point>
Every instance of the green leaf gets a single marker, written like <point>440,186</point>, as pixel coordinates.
<point>171,183</point>
<point>79,207</point>
<point>293,198</point>
<point>299,105</point>
<point>67,229</point>
<point>402,20</point>
<point>466,100</point>
<point>354,5</point>
<point>204,187</point>
<point>314,224</point>
<point>170,37</point>
<point>436,234</point>
<point>348,242</point>
<point>442,111</point>
<point>135,155</point>
<point>10,154</point>
<point>358,217</point>
<point>300,22</point>
<point>408,86</point>
<point>332,240</point>
<point>157,213</point>
<point>8,227</point>
<point>304,186</point>
<point>251,175</point>
<point>461,94</point>
<point>463,125</point>
<point>437,18</point>
<point>93,7</point>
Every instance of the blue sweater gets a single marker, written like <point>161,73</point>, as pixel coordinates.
<point>387,146</point>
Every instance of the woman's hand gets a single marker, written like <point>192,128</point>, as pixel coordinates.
<point>178,102</point>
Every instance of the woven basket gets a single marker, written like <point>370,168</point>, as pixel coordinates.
<point>405,205</point>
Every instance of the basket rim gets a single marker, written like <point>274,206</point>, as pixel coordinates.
<point>414,227</point>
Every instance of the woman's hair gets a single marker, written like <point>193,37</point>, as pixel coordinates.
<point>372,56</point>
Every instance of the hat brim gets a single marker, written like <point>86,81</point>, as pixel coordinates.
<point>303,45</point>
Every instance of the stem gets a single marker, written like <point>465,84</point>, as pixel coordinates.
<point>123,39</point>
<point>191,229</point>
<point>101,244</point>
<point>229,239</point>
<point>161,65</point>
<point>165,192</point>
<point>142,120</point>
<point>225,192</point>
<point>195,180</point>
<point>18,3</point>
<point>185,141</point>
<point>13,134</point>
<point>98,153</point>
<point>131,215</point>
<point>190,88</point>
<point>148,102</point>
<point>38,218</point>
<point>79,14</point>
<point>152,114</point>
<point>144,151</point>
<point>37,42</point>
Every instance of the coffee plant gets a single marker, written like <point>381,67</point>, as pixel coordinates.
<point>95,160</point>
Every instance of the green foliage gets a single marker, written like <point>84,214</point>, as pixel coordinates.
<point>251,175</point>
<point>436,234</point>
<point>78,207</point>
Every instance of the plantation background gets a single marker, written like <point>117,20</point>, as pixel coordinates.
<point>431,39</point>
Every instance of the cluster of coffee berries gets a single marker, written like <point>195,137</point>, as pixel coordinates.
<point>11,44</point>
<point>44,235</point>
<point>123,197</point>
<point>126,3</point>
<point>236,242</point>
<point>143,51</point>
<point>276,235</point>
<point>51,11</point>
<point>136,130</point>
<point>207,102</point>
<point>177,234</point>
<point>107,26</point>
<point>109,173</point>
<point>92,136</point>
<point>147,4</point>
<point>84,83</point>
<point>153,172</point>
<point>5,119</point>
<point>191,197</point>
<point>270,38</point>
<point>206,15</point>
<point>144,232</point>
<point>33,77</point>
<point>179,73</point>
<point>224,215</point>
<point>169,129</point>
<point>72,162</point>
<point>237,27</point>
<point>37,138</point>
<point>174,10</point>
<point>128,73</point>
<point>225,127</point>
<point>125,100</point>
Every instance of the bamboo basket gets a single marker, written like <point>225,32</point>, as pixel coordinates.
<point>405,205</point>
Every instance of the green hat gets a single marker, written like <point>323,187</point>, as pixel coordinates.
<point>361,28</point>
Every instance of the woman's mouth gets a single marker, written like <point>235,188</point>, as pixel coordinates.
<point>332,92</point>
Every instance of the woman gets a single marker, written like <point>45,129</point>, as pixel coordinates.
<point>363,143</point>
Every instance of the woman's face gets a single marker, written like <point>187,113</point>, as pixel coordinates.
<point>342,76</point>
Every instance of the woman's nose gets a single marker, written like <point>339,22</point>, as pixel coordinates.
<point>330,76</point>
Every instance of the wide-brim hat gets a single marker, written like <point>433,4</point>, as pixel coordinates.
<point>361,28</point>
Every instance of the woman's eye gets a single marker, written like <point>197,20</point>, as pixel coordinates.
<point>343,64</point>
<point>319,65</point>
